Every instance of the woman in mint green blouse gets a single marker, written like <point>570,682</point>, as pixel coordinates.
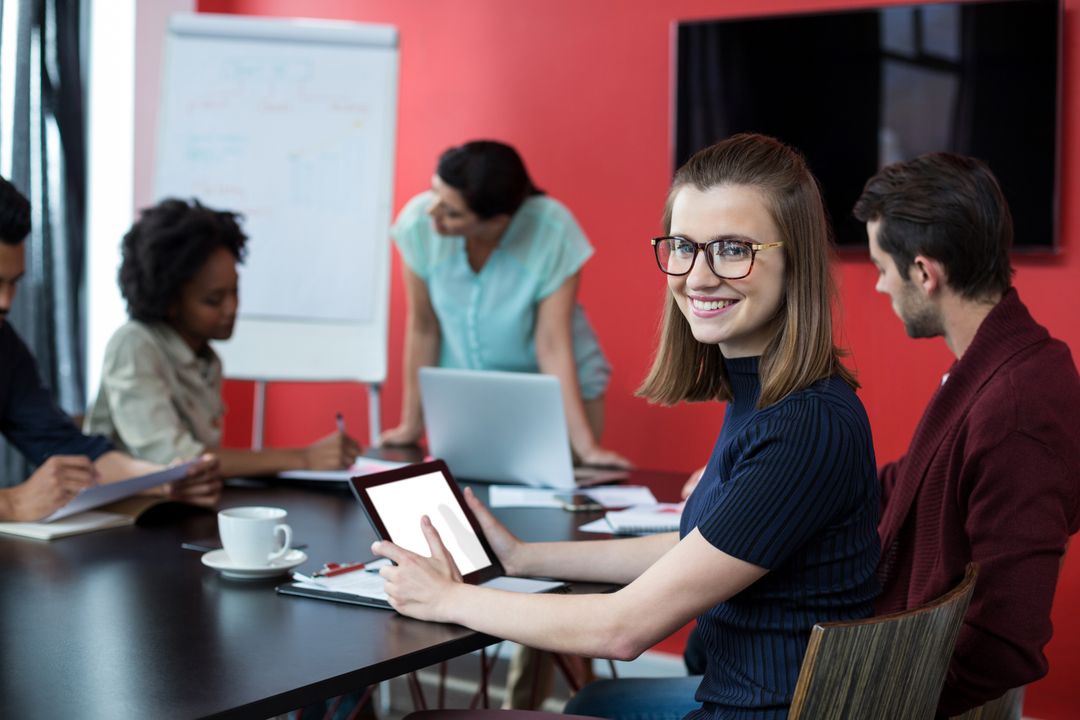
<point>491,273</point>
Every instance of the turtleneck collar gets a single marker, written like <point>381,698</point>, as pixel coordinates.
<point>744,378</point>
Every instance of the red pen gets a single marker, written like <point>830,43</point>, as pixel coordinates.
<point>332,569</point>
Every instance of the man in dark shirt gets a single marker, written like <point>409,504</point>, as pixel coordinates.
<point>67,461</point>
<point>992,475</point>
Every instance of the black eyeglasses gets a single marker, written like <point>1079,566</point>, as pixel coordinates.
<point>728,259</point>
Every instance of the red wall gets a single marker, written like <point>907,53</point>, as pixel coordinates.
<point>582,88</point>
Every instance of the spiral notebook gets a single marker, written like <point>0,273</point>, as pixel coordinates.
<point>645,519</point>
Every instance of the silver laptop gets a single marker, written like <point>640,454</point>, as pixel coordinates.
<point>500,427</point>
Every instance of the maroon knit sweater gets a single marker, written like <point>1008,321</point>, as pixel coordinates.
<point>992,476</point>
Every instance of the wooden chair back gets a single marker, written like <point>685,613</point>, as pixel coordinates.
<point>1009,706</point>
<point>890,666</point>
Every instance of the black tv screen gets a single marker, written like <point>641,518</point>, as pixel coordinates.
<point>857,90</point>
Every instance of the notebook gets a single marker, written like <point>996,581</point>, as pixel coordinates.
<point>395,501</point>
<point>115,514</point>
<point>645,519</point>
<point>502,427</point>
<point>77,524</point>
<point>361,466</point>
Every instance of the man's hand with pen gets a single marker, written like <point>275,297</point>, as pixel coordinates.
<point>52,486</point>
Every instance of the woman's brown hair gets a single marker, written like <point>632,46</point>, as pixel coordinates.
<point>802,350</point>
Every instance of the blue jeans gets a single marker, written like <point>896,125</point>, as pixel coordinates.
<point>637,699</point>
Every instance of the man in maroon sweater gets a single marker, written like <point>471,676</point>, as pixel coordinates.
<point>993,471</point>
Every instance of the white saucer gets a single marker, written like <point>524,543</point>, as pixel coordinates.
<point>220,561</point>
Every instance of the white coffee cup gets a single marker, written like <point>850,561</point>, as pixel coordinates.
<point>249,535</point>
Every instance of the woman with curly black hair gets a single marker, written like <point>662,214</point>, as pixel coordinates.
<point>160,395</point>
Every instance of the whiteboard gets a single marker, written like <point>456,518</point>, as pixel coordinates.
<point>290,123</point>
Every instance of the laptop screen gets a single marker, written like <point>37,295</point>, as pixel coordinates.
<point>517,433</point>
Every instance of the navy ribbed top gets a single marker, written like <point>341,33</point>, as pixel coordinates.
<point>793,488</point>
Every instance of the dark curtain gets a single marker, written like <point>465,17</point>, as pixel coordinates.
<point>42,146</point>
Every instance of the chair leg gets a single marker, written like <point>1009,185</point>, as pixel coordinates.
<point>481,694</point>
<point>573,680</point>
<point>528,678</point>
<point>417,692</point>
<point>534,686</point>
<point>441,702</point>
<point>484,670</point>
<point>329,714</point>
<point>364,700</point>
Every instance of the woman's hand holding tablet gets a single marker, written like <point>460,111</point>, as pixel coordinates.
<point>415,584</point>
<point>505,544</point>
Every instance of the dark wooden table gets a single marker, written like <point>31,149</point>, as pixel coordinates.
<point>123,623</point>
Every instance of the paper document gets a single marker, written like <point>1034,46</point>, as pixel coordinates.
<point>362,466</point>
<point>500,496</point>
<point>99,495</point>
<point>620,496</point>
<point>596,526</point>
<point>522,585</point>
<point>363,583</point>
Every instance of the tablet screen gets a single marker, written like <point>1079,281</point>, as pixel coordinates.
<point>400,504</point>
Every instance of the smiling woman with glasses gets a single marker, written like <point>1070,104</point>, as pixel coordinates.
<point>780,533</point>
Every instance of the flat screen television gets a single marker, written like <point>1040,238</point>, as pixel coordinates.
<point>856,90</point>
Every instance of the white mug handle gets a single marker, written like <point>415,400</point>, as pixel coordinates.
<point>286,544</point>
